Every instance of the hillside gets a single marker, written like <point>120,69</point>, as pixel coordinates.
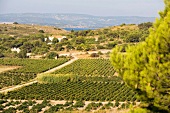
<point>35,39</point>
<point>73,20</point>
<point>26,29</point>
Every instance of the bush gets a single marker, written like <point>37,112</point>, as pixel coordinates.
<point>111,45</point>
<point>100,47</point>
<point>94,55</point>
<point>41,31</point>
<point>1,55</point>
<point>15,23</point>
<point>117,103</point>
<point>52,55</point>
<point>56,78</point>
<point>79,104</point>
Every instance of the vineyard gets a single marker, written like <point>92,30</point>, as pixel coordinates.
<point>89,91</point>
<point>85,80</point>
<point>89,67</point>
<point>29,70</point>
<point>47,106</point>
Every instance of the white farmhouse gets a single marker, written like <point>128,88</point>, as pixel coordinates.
<point>45,39</point>
<point>96,39</point>
<point>50,38</point>
<point>15,49</point>
<point>63,37</point>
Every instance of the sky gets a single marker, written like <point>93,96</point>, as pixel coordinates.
<point>146,8</point>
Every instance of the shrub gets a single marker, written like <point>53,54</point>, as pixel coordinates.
<point>117,103</point>
<point>41,31</point>
<point>56,78</point>
<point>52,55</point>
<point>15,23</point>
<point>79,104</point>
<point>94,55</point>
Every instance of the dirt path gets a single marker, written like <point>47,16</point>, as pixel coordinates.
<point>7,68</point>
<point>16,87</point>
<point>35,81</point>
<point>61,66</point>
<point>55,102</point>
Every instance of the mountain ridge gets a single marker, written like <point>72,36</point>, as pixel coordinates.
<point>71,20</point>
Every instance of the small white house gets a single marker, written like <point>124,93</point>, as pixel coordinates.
<point>96,39</point>
<point>50,38</point>
<point>45,39</point>
<point>28,54</point>
<point>49,43</point>
<point>63,37</point>
<point>15,49</point>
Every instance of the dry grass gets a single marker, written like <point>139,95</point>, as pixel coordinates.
<point>126,27</point>
<point>7,68</point>
<point>99,111</point>
<point>25,30</point>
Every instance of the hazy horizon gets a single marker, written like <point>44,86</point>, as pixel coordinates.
<point>142,8</point>
<point>78,14</point>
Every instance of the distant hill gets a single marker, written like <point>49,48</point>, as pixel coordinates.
<point>72,20</point>
<point>19,30</point>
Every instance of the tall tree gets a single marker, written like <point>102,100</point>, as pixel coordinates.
<point>146,66</point>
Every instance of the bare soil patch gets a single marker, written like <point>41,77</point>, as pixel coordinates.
<point>7,68</point>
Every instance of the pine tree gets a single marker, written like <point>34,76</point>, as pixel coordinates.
<point>146,66</point>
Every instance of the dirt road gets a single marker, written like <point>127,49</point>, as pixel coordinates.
<point>61,66</point>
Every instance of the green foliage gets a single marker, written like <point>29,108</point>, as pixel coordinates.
<point>107,106</point>
<point>133,37</point>
<point>9,110</point>
<point>59,47</point>
<point>146,25</point>
<point>111,45</point>
<point>41,31</point>
<point>55,40</point>
<point>1,55</point>
<point>117,103</point>
<point>15,23</point>
<point>80,40</point>
<point>145,67</point>
<point>38,107</point>
<point>22,54</point>
<point>56,78</point>
<point>88,67</point>
<point>139,110</point>
<point>52,55</point>
<point>79,104</point>
<point>93,106</point>
<point>27,46</point>
<point>73,90</point>
<point>94,55</point>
